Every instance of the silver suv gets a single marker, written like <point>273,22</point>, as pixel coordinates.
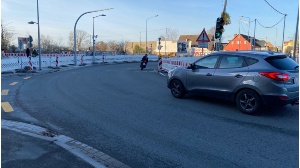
<point>251,79</point>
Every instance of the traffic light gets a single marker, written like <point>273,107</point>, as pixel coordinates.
<point>30,41</point>
<point>219,27</point>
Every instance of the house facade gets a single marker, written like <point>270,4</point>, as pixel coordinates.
<point>171,48</point>
<point>243,42</point>
<point>288,47</point>
<point>168,47</point>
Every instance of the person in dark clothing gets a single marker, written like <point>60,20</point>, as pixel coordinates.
<point>27,52</point>
<point>145,58</point>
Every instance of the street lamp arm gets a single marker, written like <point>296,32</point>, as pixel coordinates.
<point>152,17</point>
<point>75,59</point>
<point>146,31</point>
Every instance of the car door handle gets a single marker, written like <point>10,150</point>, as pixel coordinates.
<point>208,74</point>
<point>238,76</point>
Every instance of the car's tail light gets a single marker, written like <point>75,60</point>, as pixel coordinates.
<point>276,75</point>
<point>283,97</point>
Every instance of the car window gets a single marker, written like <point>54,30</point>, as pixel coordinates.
<point>250,61</point>
<point>232,62</point>
<point>282,62</point>
<point>207,62</point>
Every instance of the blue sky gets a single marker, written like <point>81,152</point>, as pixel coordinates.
<point>128,18</point>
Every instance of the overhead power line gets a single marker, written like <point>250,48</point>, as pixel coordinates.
<point>274,8</point>
<point>270,26</point>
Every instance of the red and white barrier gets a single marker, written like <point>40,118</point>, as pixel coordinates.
<point>159,64</point>
<point>56,61</point>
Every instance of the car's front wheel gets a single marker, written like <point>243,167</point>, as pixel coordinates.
<point>177,89</point>
<point>248,101</point>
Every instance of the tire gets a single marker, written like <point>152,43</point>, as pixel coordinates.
<point>248,101</point>
<point>177,89</point>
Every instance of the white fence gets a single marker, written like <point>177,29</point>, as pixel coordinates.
<point>171,63</point>
<point>19,61</point>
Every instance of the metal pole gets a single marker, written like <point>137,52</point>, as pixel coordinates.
<point>147,32</point>
<point>166,43</point>
<point>39,39</point>
<point>276,38</point>
<point>254,33</point>
<point>74,48</point>
<point>93,41</point>
<point>296,35</point>
<point>248,34</point>
<point>283,33</point>
<point>239,33</point>
<point>225,4</point>
<point>146,37</point>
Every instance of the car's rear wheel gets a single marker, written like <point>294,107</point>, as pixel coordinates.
<point>177,89</point>
<point>248,101</point>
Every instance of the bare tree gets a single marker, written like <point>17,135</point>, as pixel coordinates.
<point>101,46</point>
<point>112,45</point>
<point>6,35</point>
<point>212,30</point>
<point>47,44</point>
<point>162,37</point>
<point>82,39</point>
<point>172,34</point>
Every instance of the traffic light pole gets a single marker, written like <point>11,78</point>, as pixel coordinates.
<point>220,38</point>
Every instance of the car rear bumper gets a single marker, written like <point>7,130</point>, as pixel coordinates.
<point>279,100</point>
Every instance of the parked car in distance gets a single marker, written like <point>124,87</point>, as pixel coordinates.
<point>251,79</point>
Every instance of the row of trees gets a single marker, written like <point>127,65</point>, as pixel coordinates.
<point>6,35</point>
<point>48,45</point>
<point>83,41</point>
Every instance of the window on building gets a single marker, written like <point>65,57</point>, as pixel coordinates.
<point>245,42</point>
<point>238,42</point>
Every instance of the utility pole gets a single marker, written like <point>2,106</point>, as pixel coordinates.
<point>283,32</point>
<point>296,35</point>
<point>220,40</point>
<point>166,43</point>
<point>254,33</point>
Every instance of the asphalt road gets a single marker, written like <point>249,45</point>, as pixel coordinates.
<point>131,115</point>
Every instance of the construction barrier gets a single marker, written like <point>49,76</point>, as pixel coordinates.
<point>14,61</point>
<point>160,64</point>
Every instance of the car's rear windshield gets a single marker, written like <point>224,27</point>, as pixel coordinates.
<point>282,62</point>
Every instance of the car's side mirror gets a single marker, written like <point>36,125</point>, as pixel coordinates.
<point>191,66</point>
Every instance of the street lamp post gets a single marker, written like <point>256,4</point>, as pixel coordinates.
<point>147,32</point>
<point>248,30</point>
<point>94,37</point>
<point>75,57</point>
<point>39,41</point>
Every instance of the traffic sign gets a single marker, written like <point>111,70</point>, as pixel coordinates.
<point>203,44</point>
<point>203,37</point>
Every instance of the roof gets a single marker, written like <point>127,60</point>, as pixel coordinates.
<point>192,38</point>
